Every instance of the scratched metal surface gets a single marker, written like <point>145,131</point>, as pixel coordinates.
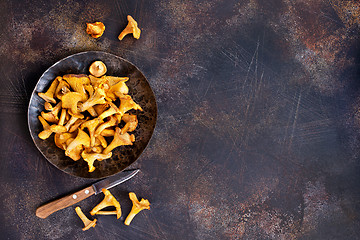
<point>258,131</point>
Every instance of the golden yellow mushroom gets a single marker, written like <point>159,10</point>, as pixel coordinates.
<point>90,158</point>
<point>71,100</point>
<point>75,147</point>
<point>119,140</point>
<point>132,27</point>
<point>87,222</point>
<point>48,96</point>
<point>137,207</point>
<point>95,29</point>
<point>108,201</point>
<point>97,68</point>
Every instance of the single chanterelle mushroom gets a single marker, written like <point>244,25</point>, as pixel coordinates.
<point>111,122</point>
<point>132,27</point>
<point>91,125</point>
<point>95,29</point>
<point>137,207</point>
<point>91,157</point>
<point>97,98</point>
<point>49,95</point>
<point>97,69</point>
<point>126,104</point>
<point>131,123</point>
<point>113,109</point>
<point>61,138</point>
<point>71,100</point>
<point>46,132</point>
<point>74,149</point>
<point>109,200</point>
<point>62,88</point>
<point>87,222</point>
<point>111,80</point>
<point>77,83</point>
<point>52,116</point>
<point>119,140</point>
<point>117,90</point>
<point>59,128</point>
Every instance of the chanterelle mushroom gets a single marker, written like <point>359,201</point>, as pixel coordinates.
<point>126,104</point>
<point>52,116</point>
<point>97,98</point>
<point>111,122</point>
<point>109,200</point>
<point>95,29</point>
<point>91,125</point>
<point>97,68</point>
<point>62,88</point>
<point>77,82</point>
<point>137,207</point>
<point>46,132</point>
<point>131,123</point>
<point>132,27</point>
<point>61,138</point>
<point>117,90</point>
<point>49,95</point>
<point>119,140</point>
<point>87,222</point>
<point>59,128</point>
<point>70,100</point>
<point>113,109</point>
<point>74,149</point>
<point>91,157</point>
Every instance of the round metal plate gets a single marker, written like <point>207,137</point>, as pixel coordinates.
<point>139,90</point>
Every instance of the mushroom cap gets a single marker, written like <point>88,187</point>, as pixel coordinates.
<point>127,103</point>
<point>70,100</point>
<point>119,140</point>
<point>95,29</point>
<point>75,147</point>
<point>77,82</point>
<point>97,98</point>
<point>90,158</point>
<point>97,69</point>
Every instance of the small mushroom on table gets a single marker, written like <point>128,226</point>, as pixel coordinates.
<point>87,222</point>
<point>132,27</point>
<point>108,201</point>
<point>137,207</point>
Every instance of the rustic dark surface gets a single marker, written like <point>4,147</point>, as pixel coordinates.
<point>258,132</point>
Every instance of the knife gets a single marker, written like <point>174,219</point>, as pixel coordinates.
<point>49,208</point>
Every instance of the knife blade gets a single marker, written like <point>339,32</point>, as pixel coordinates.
<point>45,210</point>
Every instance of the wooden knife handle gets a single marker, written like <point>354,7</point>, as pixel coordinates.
<point>49,208</point>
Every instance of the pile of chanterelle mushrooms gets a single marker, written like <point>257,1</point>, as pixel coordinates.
<point>88,114</point>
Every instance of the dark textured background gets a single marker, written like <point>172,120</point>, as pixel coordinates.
<point>258,134</point>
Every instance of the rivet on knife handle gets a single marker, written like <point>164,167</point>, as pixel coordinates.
<point>49,208</point>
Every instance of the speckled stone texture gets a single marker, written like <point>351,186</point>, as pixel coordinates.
<point>258,128</point>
